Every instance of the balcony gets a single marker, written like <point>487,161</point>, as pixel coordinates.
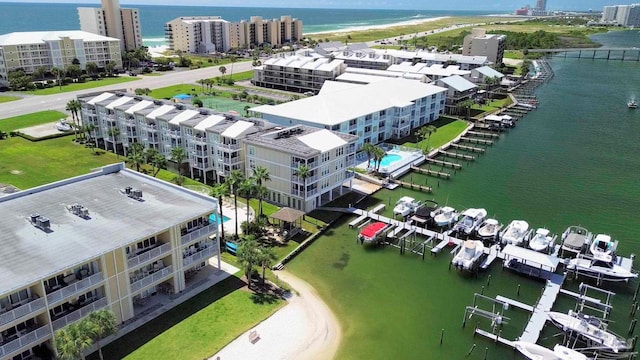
<point>353,126</point>
<point>204,253</point>
<point>75,288</point>
<point>200,140</point>
<point>28,339</point>
<point>151,278</point>
<point>148,255</point>
<point>229,146</point>
<point>199,233</point>
<point>79,313</point>
<point>31,306</point>
<point>173,133</point>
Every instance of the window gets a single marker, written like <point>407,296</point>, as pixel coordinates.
<point>19,297</point>
<point>252,150</point>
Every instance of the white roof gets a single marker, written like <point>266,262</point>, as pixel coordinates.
<point>41,37</point>
<point>208,122</point>
<point>362,78</point>
<point>435,57</point>
<point>458,83</point>
<point>237,129</point>
<point>183,116</point>
<point>119,101</point>
<point>329,86</point>
<point>160,111</point>
<point>323,140</point>
<point>489,72</point>
<point>531,257</point>
<point>101,97</point>
<point>335,107</point>
<point>139,106</point>
<point>493,118</point>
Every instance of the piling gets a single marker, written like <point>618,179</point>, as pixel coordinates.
<point>635,294</point>
<point>634,308</point>
<point>518,289</point>
<point>486,350</point>
<point>482,290</point>
<point>441,336</point>
<point>489,281</point>
<point>471,350</point>
<point>632,327</point>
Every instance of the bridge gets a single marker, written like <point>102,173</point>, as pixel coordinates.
<point>603,53</point>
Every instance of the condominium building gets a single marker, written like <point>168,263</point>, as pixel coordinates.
<point>628,15</point>
<point>609,13</point>
<point>367,76</point>
<point>297,73</point>
<point>49,49</point>
<point>365,59</point>
<point>283,150</point>
<point>273,31</point>
<point>198,34</point>
<point>374,112</point>
<point>479,43</point>
<point>105,240</point>
<point>482,74</point>
<point>433,72</point>
<point>113,21</point>
<point>459,89</point>
<point>429,58</point>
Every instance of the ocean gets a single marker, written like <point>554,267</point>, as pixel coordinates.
<point>38,17</point>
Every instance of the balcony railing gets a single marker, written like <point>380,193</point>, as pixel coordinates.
<point>202,254</point>
<point>74,288</point>
<point>199,140</point>
<point>151,278</point>
<point>79,314</point>
<point>229,146</point>
<point>199,233</point>
<point>22,310</point>
<point>149,255</point>
<point>25,340</point>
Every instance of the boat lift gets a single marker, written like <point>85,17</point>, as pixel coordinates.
<point>583,300</point>
<point>496,315</point>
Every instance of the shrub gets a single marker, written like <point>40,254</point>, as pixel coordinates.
<point>67,80</point>
<point>31,86</point>
<point>147,70</point>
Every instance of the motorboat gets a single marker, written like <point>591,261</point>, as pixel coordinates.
<point>469,253</point>
<point>590,329</point>
<point>632,103</point>
<point>422,215</point>
<point>489,230</point>
<point>62,125</point>
<point>372,233</point>
<point>605,270</point>
<point>541,240</point>
<point>515,233</point>
<point>444,216</point>
<point>575,238</point>
<point>405,206</point>
<point>603,248</point>
<point>536,352</point>
<point>471,220</point>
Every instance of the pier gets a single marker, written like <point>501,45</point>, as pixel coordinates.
<point>444,163</point>
<point>625,53</point>
<point>444,175</point>
<point>476,140</point>
<point>412,186</point>
<point>456,155</point>
<point>539,317</point>
<point>467,148</point>
<point>483,134</point>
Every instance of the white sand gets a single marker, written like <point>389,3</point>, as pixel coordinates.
<point>382,26</point>
<point>304,329</point>
<point>158,51</point>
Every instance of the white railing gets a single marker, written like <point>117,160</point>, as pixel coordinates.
<point>25,340</point>
<point>21,311</point>
<point>74,288</point>
<point>200,233</point>
<point>202,254</point>
<point>229,146</point>
<point>79,314</point>
<point>152,278</point>
<point>149,255</point>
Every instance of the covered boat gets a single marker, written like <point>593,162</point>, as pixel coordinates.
<point>372,232</point>
<point>590,329</point>
<point>575,238</point>
<point>536,352</point>
<point>470,252</point>
<point>515,233</point>
<point>422,215</point>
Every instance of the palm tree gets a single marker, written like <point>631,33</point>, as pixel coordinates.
<point>91,68</point>
<point>466,105</point>
<point>155,159</point>
<point>114,132</point>
<point>40,72</point>
<point>266,257</point>
<point>367,148</point>
<point>378,154</point>
<point>178,154</point>
<point>233,181</point>
<point>303,172</point>
<point>233,59</point>
<point>220,191</point>
<point>72,341</point>
<point>247,189</point>
<point>248,255</point>
<point>136,155</point>
<point>223,70</point>
<point>110,67</point>
<point>57,73</point>
<point>261,174</point>
<point>73,106</point>
<point>99,325</point>
<point>261,192</point>
<point>425,134</point>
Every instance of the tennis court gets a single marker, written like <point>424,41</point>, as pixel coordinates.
<point>224,104</point>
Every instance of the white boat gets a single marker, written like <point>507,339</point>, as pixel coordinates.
<point>405,206</point>
<point>590,329</point>
<point>469,253</point>
<point>603,248</point>
<point>63,126</point>
<point>632,104</point>
<point>605,270</point>
<point>541,240</point>
<point>515,232</point>
<point>575,238</point>
<point>536,352</point>
<point>471,220</point>
<point>444,216</point>
<point>489,229</point>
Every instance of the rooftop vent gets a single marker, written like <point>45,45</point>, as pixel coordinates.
<point>157,102</point>
<point>204,112</point>
<point>132,193</point>
<point>40,222</point>
<point>79,210</point>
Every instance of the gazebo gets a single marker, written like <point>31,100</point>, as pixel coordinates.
<point>290,221</point>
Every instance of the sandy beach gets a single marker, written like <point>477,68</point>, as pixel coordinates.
<point>381,26</point>
<point>304,329</point>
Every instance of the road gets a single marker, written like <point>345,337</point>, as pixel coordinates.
<point>34,103</point>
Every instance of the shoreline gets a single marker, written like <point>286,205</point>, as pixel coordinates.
<point>380,26</point>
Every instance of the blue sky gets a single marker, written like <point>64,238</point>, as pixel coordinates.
<point>489,5</point>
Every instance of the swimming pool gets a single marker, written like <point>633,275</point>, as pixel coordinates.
<point>389,159</point>
<point>214,217</point>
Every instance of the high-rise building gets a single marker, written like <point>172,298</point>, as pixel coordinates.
<point>479,43</point>
<point>609,13</point>
<point>113,21</point>
<point>541,5</point>
<point>628,15</point>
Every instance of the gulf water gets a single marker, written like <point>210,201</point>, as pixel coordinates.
<point>574,160</point>
<point>42,16</point>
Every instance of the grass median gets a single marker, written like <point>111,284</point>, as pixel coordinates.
<point>82,86</point>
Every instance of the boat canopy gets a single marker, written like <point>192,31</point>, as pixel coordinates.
<point>532,258</point>
<point>371,230</point>
<point>405,199</point>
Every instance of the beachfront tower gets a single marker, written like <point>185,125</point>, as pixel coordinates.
<point>479,43</point>
<point>113,21</point>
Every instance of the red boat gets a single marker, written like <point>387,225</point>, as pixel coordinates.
<point>372,232</point>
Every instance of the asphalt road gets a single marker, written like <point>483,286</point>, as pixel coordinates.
<point>34,103</point>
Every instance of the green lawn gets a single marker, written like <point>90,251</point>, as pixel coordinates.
<point>23,121</point>
<point>173,90</point>
<point>447,130</point>
<point>197,328</point>
<point>4,98</point>
<point>82,86</point>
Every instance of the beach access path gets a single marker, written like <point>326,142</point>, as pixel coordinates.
<point>304,329</point>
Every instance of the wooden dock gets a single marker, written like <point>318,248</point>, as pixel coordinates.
<point>444,163</point>
<point>483,134</point>
<point>431,172</point>
<point>412,186</point>
<point>456,155</point>
<point>467,148</point>
<point>476,140</point>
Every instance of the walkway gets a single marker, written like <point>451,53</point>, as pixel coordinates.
<point>539,317</point>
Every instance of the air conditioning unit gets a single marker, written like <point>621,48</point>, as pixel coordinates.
<point>137,194</point>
